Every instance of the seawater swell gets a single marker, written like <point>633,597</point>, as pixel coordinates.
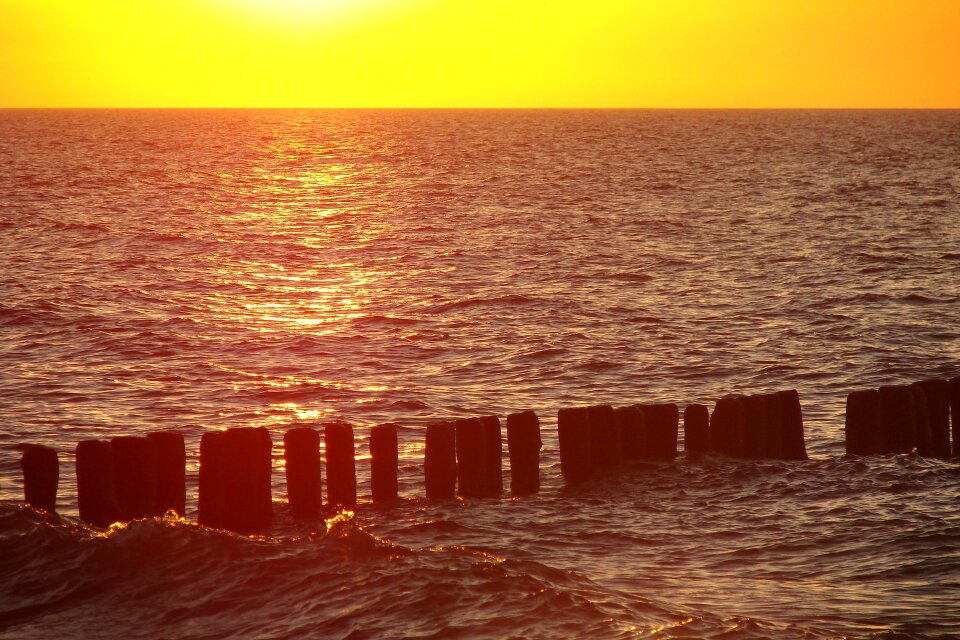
<point>204,269</point>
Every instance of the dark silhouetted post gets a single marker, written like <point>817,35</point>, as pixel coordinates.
<point>134,477</point>
<point>937,393</point>
<point>573,432</point>
<point>440,461</point>
<point>923,432</point>
<point>633,432</point>
<point>301,454</point>
<point>523,446</point>
<point>955,413</point>
<point>384,463</point>
<point>754,427</point>
<point>171,472</point>
<point>471,458</point>
<point>212,498</point>
<point>248,505</point>
<point>341,465</point>
<point>95,490</point>
<point>604,437</point>
<point>41,475</point>
<point>662,426</point>
<point>696,428</point>
<point>898,419</point>
<point>493,440</point>
<point>862,423</point>
<point>794,443</point>
<point>726,426</point>
<point>773,412</point>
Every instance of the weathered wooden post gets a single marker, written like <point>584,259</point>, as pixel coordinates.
<point>471,458</point>
<point>341,465</point>
<point>773,411</point>
<point>898,418</point>
<point>301,453</point>
<point>937,393</point>
<point>41,475</point>
<point>633,432</point>
<point>212,497</point>
<point>604,437</point>
<point>696,428</point>
<point>862,425</point>
<point>493,440</point>
<point>248,505</point>
<point>95,483</point>
<point>754,427</point>
<point>573,433</point>
<point>384,462</point>
<point>523,446</point>
<point>135,476</point>
<point>171,472</point>
<point>662,426</point>
<point>794,443</point>
<point>923,432</point>
<point>726,426</point>
<point>955,414</point>
<point>440,461</point>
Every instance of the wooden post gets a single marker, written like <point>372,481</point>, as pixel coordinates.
<point>898,419</point>
<point>726,426</point>
<point>135,476</point>
<point>573,432</point>
<point>301,454</point>
<point>171,472</point>
<point>633,432</point>
<point>471,458</point>
<point>604,437</point>
<point>212,498</point>
<point>493,440</point>
<point>955,414</point>
<point>696,428</point>
<point>862,426</point>
<point>662,426</point>
<point>384,462</point>
<point>923,431</point>
<point>341,465</point>
<point>440,461</point>
<point>773,411</point>
<point>41,475</point>
<point>523,445</point>
<point>794,443</point>
<point>754,427</point>
<point>95,488</point>
<point>248,504</point>
<point>937,393</point>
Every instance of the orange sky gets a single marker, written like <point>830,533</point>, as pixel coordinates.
<point>480,53</point>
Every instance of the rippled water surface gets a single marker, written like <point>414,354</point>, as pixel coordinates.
<point>207,269</point>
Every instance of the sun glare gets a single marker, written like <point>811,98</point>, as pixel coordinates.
<point>297,11</point>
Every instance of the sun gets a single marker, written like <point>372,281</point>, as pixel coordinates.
<point>302,10</point>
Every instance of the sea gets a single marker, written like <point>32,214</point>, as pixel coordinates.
<point>205,269</point>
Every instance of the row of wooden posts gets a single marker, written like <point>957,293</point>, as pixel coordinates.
<point>129,477</point>
<point>901,418</point>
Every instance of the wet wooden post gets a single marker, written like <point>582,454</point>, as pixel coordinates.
<point>662,426</point>
<point>794,443</point>
<point>41,475</point>
<point>696,428</point>
<point>493,440</point>
<point>341,465</point>
<point>573,432</point>
<point>633,435</point>
<point>248,503</point>
<point>923,433</point>
<point>864,434</point>
<point>955,413</point>
<point>774,414</point>
<point>301,454</point>
<point>95,483</point>
<point>440,461</point>
<point>726,426</point>
<point>523,447</point>
<point>212,496</point>
<point>384,462</point>
<point>604,437</point>
<point>898,419</point>
<point>937,393</point>
<point>471,458</point>
<point>754,427</point>
<point>135,476</point>
<point>171,472</point>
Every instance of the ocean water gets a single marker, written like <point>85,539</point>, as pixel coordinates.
<point>207,269</point>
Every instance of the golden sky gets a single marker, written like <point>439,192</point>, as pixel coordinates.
<point>480,53</point>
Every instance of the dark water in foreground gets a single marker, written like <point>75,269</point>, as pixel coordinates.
<point>201,270</point>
